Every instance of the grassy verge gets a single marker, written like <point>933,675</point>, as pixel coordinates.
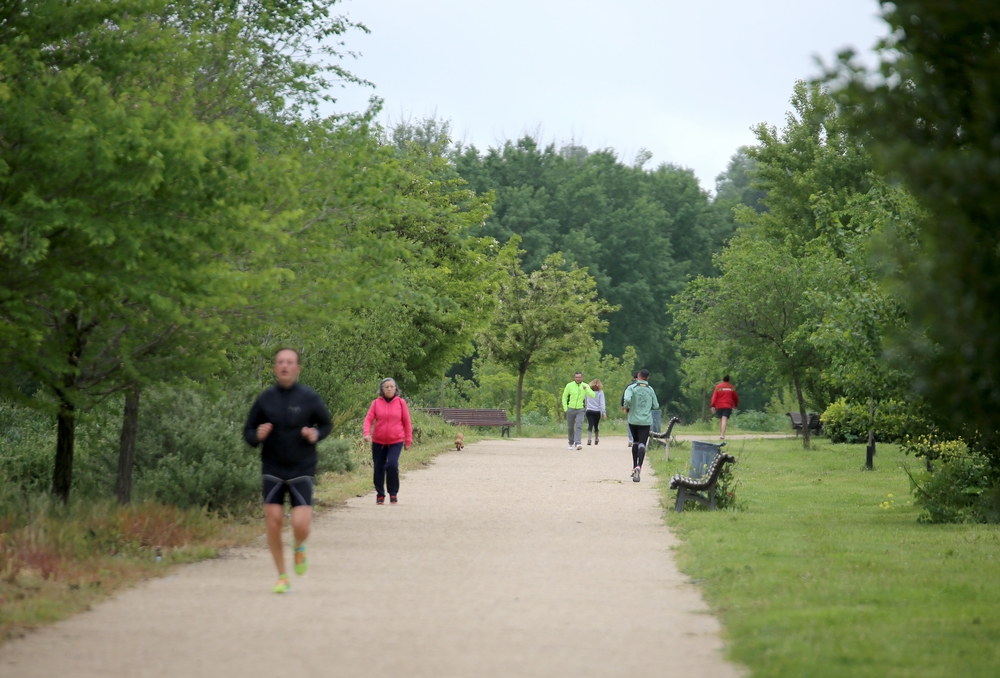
<point>824,570</point>
<point>58,560</point>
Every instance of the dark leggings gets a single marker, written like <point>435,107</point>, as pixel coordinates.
<point>640,436</point>
<point>385,459</point>
<point>593,423</point>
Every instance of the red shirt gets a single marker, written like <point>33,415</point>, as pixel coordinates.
<point>391,422</point>
<point>724,397</point>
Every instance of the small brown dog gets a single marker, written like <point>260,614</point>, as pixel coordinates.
<point>459,440</point>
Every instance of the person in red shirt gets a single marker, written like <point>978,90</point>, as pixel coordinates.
<point>388,429</point>
<point>724,401</point>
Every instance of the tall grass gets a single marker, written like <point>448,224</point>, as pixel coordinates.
<point>56,559</point>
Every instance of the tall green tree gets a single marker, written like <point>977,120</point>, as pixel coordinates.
<point>760,311</point>
<point>541,315</point>
<point>640,232</point>
<point>929,115</point>
<point>734,188</point>
<point>813,159</point>
<point>116,201</point>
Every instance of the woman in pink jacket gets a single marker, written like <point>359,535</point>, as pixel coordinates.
<point>387,428</point>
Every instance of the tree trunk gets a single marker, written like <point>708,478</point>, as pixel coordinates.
<point>520,385</point>
<point>443,372</point>
<point>62,474</point>
<point>871,432</point>
<point>126,446</point>
<point>704,407</point>
<point>802,410</point>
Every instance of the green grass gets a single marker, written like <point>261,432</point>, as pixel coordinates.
<point>813,576</point>
<point>617,427</point>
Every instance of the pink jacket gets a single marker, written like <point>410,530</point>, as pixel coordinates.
<point>391,420</point>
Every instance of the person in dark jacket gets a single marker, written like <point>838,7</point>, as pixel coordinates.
<point>286,421</point>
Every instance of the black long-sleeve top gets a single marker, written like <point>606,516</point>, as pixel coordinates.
<point>285,453</point>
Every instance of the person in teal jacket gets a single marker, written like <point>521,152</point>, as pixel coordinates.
<point>573,400</point>
<point>640,401</point>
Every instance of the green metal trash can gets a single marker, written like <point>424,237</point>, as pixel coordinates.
<point>702,456</point>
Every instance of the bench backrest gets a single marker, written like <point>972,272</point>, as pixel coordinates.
<point>814,420</point>
<point>465,412</point>
<point>473,411</point>
<point>475,416</point>
<point>721,459</point>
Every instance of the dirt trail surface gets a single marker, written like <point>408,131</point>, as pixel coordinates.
<point>510,558</point>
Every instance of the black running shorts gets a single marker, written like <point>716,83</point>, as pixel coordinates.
<point>724,412</point>
<point>299,490</point>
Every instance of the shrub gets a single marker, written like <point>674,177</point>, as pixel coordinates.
<point>960,490</point>
<point>27,448</point>
<point>846,422</point>
<point>958,486</point>
<point>334,456</point>
<point>190,450</point>
<point>725,491</point>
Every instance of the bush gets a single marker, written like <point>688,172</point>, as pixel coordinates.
<point>958,486</point>
<point>725,492</point>
<point>962,489</point>
<point>845,422</point>
<point>334,456</point>
<point>27,448</point>
<point>190,450</point>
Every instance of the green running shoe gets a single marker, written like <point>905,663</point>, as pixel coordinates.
<point>301,562</point>
<point>283,584</point>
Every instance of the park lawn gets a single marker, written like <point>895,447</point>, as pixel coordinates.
<point>814,576</point>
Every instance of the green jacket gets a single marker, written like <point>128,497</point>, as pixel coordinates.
<point>574,394</point>
<point>640,400</point>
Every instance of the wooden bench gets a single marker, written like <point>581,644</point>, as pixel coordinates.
<point>461,416</point>
<point>665,437</point>
<point>814,423</point>
<point>701,490</point>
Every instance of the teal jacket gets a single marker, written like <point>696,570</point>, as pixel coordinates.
<point>574,394</point>
<point>640,400</point>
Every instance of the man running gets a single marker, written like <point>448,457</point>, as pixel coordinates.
<point>640,401</point>
<point>289,419</point>
<point>724,401</point>
<point>573,398</point>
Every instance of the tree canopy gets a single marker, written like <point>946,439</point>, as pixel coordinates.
<point>639,232</point>
<point>929,115</point>
<point>541,316</point>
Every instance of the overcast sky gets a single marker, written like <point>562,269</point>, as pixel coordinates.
<point>685,80</point>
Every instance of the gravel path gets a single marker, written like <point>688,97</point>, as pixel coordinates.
<point>510,558</point>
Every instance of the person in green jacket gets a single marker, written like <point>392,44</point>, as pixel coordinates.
<point>640,401</point>
<point>573,405</point>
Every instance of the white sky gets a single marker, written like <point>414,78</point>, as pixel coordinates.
<point>685,80</point>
